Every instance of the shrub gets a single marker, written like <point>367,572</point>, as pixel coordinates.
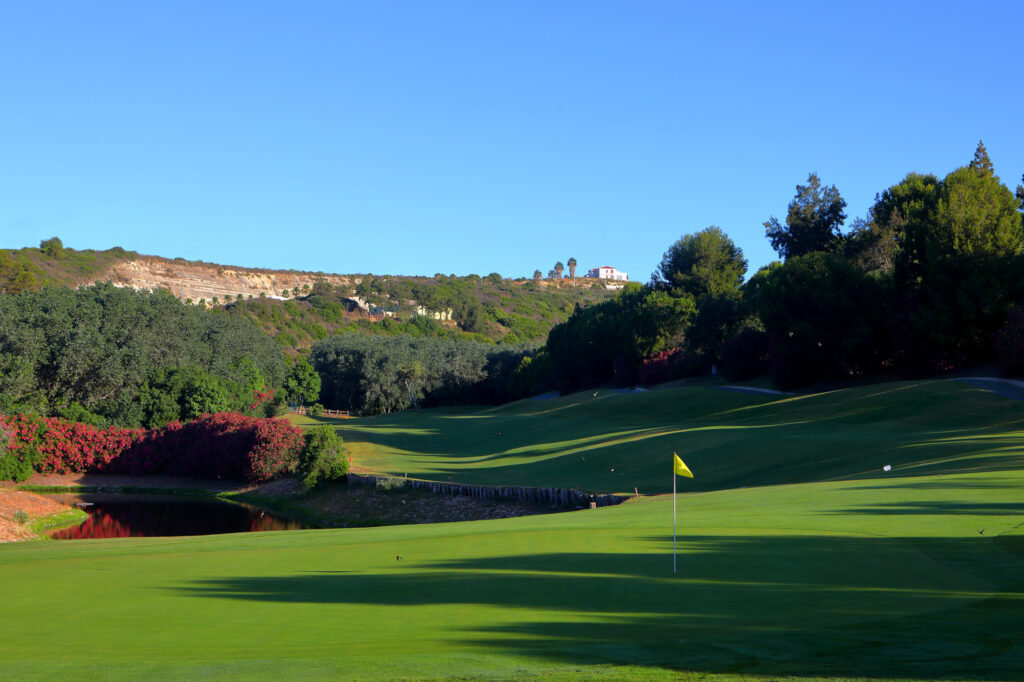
<point>20,517</point>
<point>1010,344</point>
<point>390,483</point>
<point>19,446</point>
<point>745,356</point>
<point>656,367</point>
<point>323,456</point>
<point>224,445</point>
<point>316,410</point>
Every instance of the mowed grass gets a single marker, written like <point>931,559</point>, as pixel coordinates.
<point>623,442</point>
<point>916,574</point>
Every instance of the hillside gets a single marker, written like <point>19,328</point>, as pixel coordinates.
<point>297,308</point>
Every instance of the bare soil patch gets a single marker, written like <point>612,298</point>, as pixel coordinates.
<point>12,501</point>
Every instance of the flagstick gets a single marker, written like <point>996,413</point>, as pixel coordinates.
<point>673,517</point>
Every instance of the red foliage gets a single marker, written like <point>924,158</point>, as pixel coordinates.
<point>260,397</point>
<point>223,445</point>
<point>657,367</point>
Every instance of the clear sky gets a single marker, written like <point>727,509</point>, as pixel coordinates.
<point>483,136</point>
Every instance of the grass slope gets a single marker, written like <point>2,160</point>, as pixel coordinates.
<point>617,442</point>
<point>919,575</point>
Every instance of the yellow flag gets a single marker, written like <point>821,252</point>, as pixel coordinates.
<point>679,468</point>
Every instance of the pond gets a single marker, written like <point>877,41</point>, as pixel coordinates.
<point>123,516</point>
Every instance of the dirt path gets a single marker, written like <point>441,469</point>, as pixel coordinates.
<point>753,389</point>
<point>1008,388</point>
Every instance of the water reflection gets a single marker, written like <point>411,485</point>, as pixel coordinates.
<point>122,516</point>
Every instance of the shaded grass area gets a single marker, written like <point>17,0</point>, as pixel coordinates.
<point>787,580</point>
<point>614,443</point>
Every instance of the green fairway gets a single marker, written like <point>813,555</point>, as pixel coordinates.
<point>915,574</point>
<point>617,442</point>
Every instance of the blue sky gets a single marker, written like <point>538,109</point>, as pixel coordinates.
<point>423,137</point>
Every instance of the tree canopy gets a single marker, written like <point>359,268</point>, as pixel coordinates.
<point>100,345</point>
<point>706,262</point>
<point>813,221</point>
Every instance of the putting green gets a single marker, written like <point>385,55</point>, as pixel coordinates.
<point>915,574</point>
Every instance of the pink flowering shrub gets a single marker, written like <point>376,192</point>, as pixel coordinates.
<point>657,368</point>
<point>223,445</point>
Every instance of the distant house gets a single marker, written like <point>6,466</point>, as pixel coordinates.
<point>607,272</point>
<point>443,315</point>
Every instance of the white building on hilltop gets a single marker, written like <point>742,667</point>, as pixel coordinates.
<point>607,272</point>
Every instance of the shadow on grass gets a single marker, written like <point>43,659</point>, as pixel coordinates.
<point>918,429</point>
<point>943,508</point>
<point>793,604</point>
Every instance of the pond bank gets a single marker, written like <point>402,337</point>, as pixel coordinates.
<point>25,516</point>
<point>358,503</point>
<point>343,505</point>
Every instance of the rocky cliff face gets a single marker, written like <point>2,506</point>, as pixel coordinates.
<point>195,281</point>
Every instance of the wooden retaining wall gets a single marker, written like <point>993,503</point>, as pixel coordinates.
<point>551,496</point>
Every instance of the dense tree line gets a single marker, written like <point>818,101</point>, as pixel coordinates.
<point>380,374</point>
<point>925,283</point>
<point>105,354</point>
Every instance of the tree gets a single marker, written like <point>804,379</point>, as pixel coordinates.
<point>551,274</point>
<point>707,262</point>
<point>100,345</point>
<point>981,164</point>
<point>52,247</point>
<point>872,247</point>
<point>323,457</point>
<point>537,276</point>
<point>901,220</point>
<point>610,340</point>
<point>976,215</point>
<point>572,269</point>
<point>558,269</point>
<point>962,278</point>
<point>203,394</point>
<point>302,383</point>
<point>826,319</point>
<point>411,375</point>
<point>812,222</point>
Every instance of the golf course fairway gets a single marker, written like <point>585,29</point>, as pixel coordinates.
<point>797,554</point>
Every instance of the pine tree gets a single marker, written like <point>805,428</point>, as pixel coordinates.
<point>812,223</point>
<point>981,164</point>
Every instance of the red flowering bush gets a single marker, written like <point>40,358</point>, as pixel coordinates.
<point>657,367</point>
<point>224,445</point>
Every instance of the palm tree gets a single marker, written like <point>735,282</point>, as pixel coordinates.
<point>551,274</point>
<point>537,276</point>
<point>572,270</point>
<point>558,269</point>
